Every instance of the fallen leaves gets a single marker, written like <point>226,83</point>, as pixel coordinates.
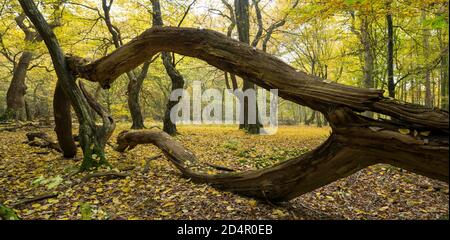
<point>378,192</point>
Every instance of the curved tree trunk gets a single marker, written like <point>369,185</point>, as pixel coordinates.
<point>93,138</point>
<point>416,138</point>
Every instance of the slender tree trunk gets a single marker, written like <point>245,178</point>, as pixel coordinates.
<point>243,26</point>
<point>426,50</point>
<point>177,83</point>
<point>134,81</point>
<point>175,76</point>
<point>444,74</point>
<point>15,97</point>
<point>390,58</point>
<point>93,138</point>
<point>311,119</point>
<point>368,81</point>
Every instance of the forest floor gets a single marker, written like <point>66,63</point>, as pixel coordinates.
<point>378,192</point>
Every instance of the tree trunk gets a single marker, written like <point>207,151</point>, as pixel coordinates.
<point>134,89</point>
<point>243,26</point>
<point>311,120</point>
<point>390,50</point>
<point>175,76</point>
<point>426,50</point>
<point>444,74</point>
<point>134,82</point>
<point>368,81</point>
<point>15,97</point>
<point>63,122</point>
<point>93,138</point>
<point>349,149</point>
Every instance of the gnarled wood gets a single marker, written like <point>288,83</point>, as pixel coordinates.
<point>259,67</point>
<point>354,145</point>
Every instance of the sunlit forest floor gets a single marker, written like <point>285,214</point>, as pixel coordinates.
<point>379,192</point>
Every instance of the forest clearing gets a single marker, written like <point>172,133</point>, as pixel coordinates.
<point>220,109</point>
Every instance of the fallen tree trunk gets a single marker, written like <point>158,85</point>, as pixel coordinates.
<point>350,148</point>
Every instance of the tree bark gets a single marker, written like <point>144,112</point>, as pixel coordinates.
<point>390,50</point>
<point>93,138</point>
<point>15,97</point>
<point>426,49</point>
<point>134,90</point>
<point>368,81</point>
<point>263,69</point>
<point>243,27</point>
<point>175,76</point>
<point>349,149</point>
<point>444,79</point>
<point>63,122</point>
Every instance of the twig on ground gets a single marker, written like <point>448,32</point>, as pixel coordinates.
<point>35,199</point>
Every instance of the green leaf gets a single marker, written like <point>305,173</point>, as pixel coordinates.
<point>38,180</point>
<point>86,211</point>
<point>438,23</point>
<point>54,182</point>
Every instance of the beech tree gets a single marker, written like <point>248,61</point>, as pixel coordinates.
<point>15,97</point>
<point>135,78</point>
<point>176,78</point>
<point>412,137</point>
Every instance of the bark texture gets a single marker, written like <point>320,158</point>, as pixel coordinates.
<point>15,96</point>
